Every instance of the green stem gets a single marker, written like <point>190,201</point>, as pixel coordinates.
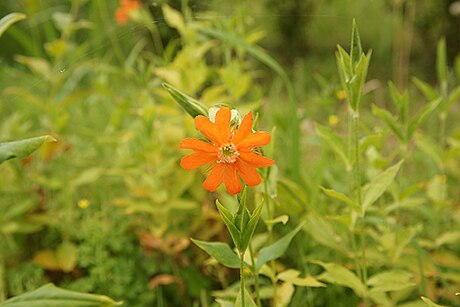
<point>357,175</point>
<point>256,276</point>
<point>243,301</point>
<point>2,278</point>
<point>271,215</point>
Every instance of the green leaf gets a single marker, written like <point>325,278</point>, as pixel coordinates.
<point>228,220</point>
<point>192,106</point>
<point>344,65</point>
<point>341,197</point>
<point>431,148</point>
<point>379,185</point>
<point>424,112</point>
<point>9,19</point>
<point>400,100</point>
<point>248,301</point>
<point>276,249</point>
<point>426,89</point>
<point>389,120</point>
<point>173,18</point>
<point>441,64</point>
<point>250,227</point>
<point>342,276</point>
<point>221,252</point>
<point>449,237</point>
<point>355,50</point>
<point>242,214</point>
<point>453,97</point>
<point>357,82</point>
<point>325,232</point>
<point>335,142</point>
<point>430,302</point>
<point>66,256</point>
<point>279,219</point>
<point>51,296</point>
<point>22,148</point>
<point>394,280</point>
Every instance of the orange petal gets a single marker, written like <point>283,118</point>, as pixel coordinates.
<point>209,129</point>
<point>197,159</point>
<point>215,179</point>
<point>254,139</point>
<point>247,172</point>
<point>244,129</point>
<point>231,179</point>
<point>197,145</point>
<point>222,124</point>
<point>255,160</point>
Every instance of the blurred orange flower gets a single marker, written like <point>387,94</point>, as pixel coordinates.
<point>230,152</point>
<point>122,13</point>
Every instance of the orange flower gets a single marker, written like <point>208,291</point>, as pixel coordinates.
<point>122,13</point>
<point>229,152</point>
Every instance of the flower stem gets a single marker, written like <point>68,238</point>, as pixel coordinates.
<point>357,175</point>
<point>256,276</point>
<point>2,278</point>
<point>243,301</point>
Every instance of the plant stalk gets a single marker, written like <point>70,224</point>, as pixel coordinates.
<point>243,301</point>
<point>256,276</point>
<point>2,278</point>
<point>357,175</point>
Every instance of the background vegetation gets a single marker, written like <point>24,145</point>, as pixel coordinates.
<point>107,208</point>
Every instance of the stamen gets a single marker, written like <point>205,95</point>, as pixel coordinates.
<point>227,153</point>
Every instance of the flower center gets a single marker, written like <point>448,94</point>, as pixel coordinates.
<point>227,153</point>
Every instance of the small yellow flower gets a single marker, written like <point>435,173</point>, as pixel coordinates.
<point>333,120</point>
<point>83,203</point>
<point>341,95</point>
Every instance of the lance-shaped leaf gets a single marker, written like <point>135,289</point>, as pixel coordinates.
<point>22,148</point>
<point>221,252</point>
<point>357,82</point>
<point>192,106</point>
<point>52,296</point>
<point>276,249</point>
<point>427,90</point>
<point>453,97</point>
<point>228,220</point>
<point>248,230</point>
<point>389,120</point>
<point>430,302</point>
<point>401,100</point>
<point>335,142</point>
<point>356,49</point>
<point>8,20</point>
<point>341,197</point>
<point>441,65</point>
<point>418,119</point>
<point>248,301</point>
<point>242,215</point>
<point>339,275</point>
<point>379,185</point>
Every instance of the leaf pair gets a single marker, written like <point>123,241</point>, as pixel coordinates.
<point>353,69</point>
<point>375,189</point>
<point>404,128</point>
<point>241,225</point>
